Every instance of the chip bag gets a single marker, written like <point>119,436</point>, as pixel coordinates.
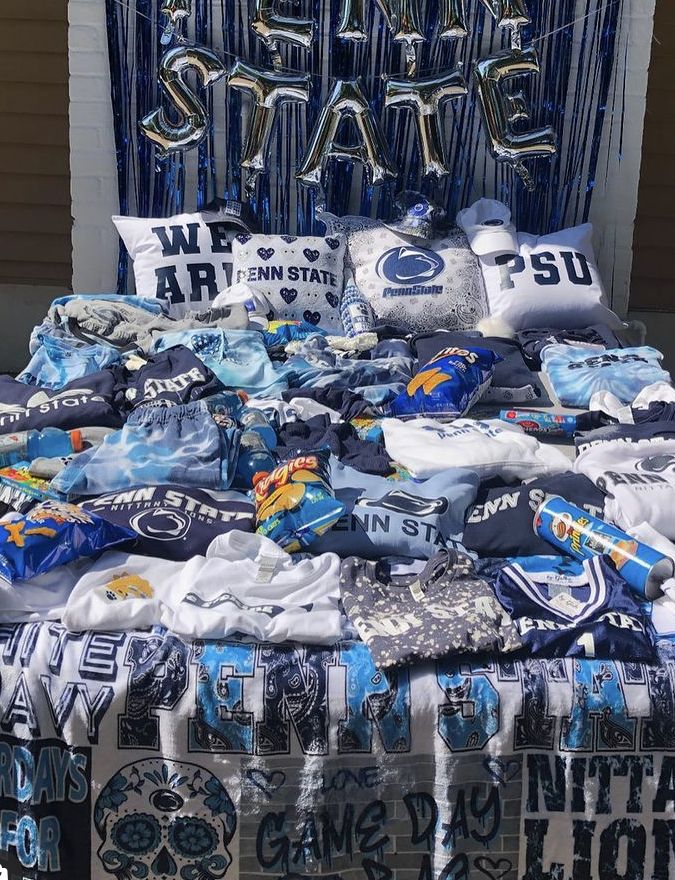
<point>448,385</point>
<point>295,502</point>
<point>51,534</point>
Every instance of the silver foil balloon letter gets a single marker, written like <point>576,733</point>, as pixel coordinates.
<point>424,97</point>
<point>269,90</point>
<point>192,128</point>
<point>175,11</point>
<point>403,20</point>
<point>273,29</point>
<point>452,22</point>
<point>511,14</point>
<point>347,101</point>
<point>502,110</point>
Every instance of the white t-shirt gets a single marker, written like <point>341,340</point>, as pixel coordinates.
<point>247,585</point>
<point>490,448</point>
<point>40,598</point>
<point>251,586</point>
<point>639,480</point>
<point>125,591</point>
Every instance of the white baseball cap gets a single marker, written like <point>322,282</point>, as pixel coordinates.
<point>488,227</point>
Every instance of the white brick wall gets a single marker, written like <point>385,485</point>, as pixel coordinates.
<point>93,158</point>
<point>92,150</point>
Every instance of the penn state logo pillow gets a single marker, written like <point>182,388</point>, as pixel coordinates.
<point>423,285</point>
<point>553,282</point>
<point>302,277</point>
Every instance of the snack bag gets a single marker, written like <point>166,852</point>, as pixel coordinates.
<point>448,385</point>
<point>53,533</point>
<point>295,502</point>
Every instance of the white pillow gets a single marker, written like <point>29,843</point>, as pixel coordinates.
<point>301,277</point>
<point>420,284</point>
<point>185,259</point>
<point>552,282</point>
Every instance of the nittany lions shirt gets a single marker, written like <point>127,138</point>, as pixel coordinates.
<point>406,615</point>
<point>397,517</point>
<point>174,522</point>
<point>577,373</point>
<point>566,608</point>
<point>500,522</point>
<point>93,400</point>
<point>638,480</point>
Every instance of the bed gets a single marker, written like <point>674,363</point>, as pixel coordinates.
<point>300,761</point>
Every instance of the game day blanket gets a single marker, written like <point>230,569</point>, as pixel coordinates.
<point>136,755</point>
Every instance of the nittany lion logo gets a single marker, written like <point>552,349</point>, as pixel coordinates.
<point>161,524</point>
<point>409,265</point>
<point>657,464</point>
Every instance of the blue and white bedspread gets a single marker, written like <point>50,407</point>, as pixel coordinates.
<point>136,755</point>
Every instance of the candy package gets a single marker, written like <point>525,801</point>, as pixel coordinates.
<point>448,385</point>
<point>51,534</point>
<point>295,502</point>
<point>19,477</point>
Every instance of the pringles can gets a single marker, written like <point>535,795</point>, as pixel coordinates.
<point>581,535</point>
<point>534,422</point>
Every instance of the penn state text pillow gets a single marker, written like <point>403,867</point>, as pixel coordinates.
<point>185,260</point>
<point>301,276</point>
<point>424,285</point>
<point>553,281</point>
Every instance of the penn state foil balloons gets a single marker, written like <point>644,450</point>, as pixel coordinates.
<point>347,100</point>
<point>424,97</point>
<point>501,110</point>
<point>192,128</point>
<point>268,89</point>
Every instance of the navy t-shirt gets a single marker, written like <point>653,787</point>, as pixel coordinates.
<point>173,522</point>
<point>500,522</point>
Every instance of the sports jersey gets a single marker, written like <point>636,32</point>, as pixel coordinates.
<point>174,522</point>
<point>491,448</point>
<point>638,479</point>
<point>577,373</point>
<point>397,517</point>
<point>500,522</point>
<point>566,608</point>
<point>411,615</point>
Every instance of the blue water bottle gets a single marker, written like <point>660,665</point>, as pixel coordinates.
<point>29,445</point>
<point>254,457</point>
<point>254,420</point>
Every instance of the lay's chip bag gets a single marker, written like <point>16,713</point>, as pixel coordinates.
<point>53,533</point>
<point>448,385</point>
<point>295,502</point>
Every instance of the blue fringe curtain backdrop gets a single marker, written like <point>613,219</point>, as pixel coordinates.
<point>578,92</point>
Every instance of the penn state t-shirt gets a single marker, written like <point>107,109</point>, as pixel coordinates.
<point>406,616</point>
<point>576,373</point>
<point>500,521</point>
<point>173,522</point>
<point>397,517</point>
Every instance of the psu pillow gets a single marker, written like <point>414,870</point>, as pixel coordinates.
<point>184,260</point>
<point>421,284</point>
<point>553,281</point>
<point>301,277</point>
